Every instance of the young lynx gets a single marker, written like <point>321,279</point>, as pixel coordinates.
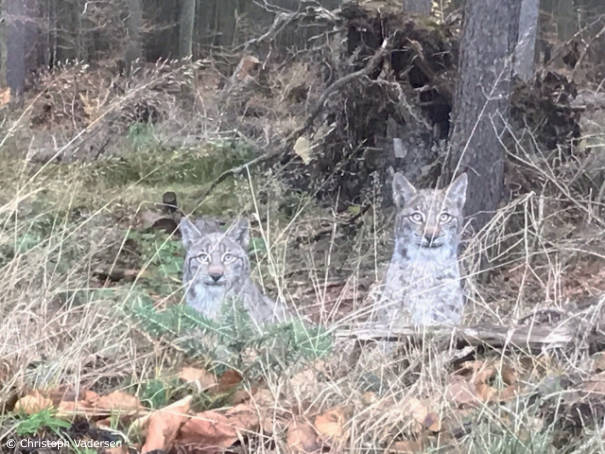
<point>217,270</point>
<point>423,279</point>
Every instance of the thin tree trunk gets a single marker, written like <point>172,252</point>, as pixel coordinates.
<point>421,7</point>
<point>526,46</point>
<point>14,13</point>
<point>186,21</point>
<point>134,48</point>
<point>481,102</point>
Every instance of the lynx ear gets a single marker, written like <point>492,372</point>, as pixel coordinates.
<point>457,190</point>
<point>403,190</point>
<point>240,232</point>
<point>189,232</point>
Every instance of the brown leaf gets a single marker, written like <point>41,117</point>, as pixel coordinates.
<point>33,403</point>
<point>331,424</point>
<point>5,96</point>
<point>201,377</point>
<point>214,429</point>
<point>229,380</point>
<point>461,392</point>
<point>301,438</point>
<point>118,401</point>
<point>164,424</point>
<point>485,392</point>
<point>509,376</point>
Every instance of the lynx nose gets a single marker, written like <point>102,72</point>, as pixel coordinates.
<point>215,273</point>
<point>431,235</point>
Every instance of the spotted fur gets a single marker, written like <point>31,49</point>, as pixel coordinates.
<point>422,283</point>
<point>217,269</point>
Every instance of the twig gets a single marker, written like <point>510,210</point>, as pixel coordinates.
<point>370,66</point>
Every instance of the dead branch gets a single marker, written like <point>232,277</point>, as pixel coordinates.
<point>369,67</point>
<point>532,338</point>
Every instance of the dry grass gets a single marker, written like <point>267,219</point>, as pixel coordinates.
<point>60,325</point>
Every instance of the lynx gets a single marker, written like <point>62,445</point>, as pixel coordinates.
<point>422,283</point>
<point>217,270</point>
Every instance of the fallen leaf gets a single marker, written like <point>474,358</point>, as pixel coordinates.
<point>163,425</point>
<point>229,380</point>
<point>214,429</point>
<point>33,403</point>
<point>302,148</point>
<point>90,397</point>
<point>485,392</point>
<point>509,376</point>
<point>200,377</point>
<point>331,424</point>
<point>118,401</point>
<point>5,96</point>
<point>461,392</point>
<point>301,438</point>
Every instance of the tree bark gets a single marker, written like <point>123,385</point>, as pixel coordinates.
<point>481,103</point>
<point>186,20</point>
<point>134,48</point>
<point>526,45</point>
<point>15,15</point>
<point>421,7</point>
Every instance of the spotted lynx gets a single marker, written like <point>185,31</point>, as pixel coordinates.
<point>422,283</point>
<point>217,269</point>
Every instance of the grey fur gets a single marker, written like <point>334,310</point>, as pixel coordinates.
<point>210,252</point>
<point>422,283</point>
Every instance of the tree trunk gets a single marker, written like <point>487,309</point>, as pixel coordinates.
<point>481,102</point>
<point>422,7</point>
<point>14,13</point>
<point>134,47</point>
<point>186,20</point>
<point>526,45</point>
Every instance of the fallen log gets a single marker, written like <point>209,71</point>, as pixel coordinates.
<point>571,330</point>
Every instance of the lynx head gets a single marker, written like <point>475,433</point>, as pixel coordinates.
<point>215,261</point>
<point>428,219</point>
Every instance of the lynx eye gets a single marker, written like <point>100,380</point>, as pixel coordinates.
<point>203,258</point>
<point>417,216</point>
<point>444,217</point>
<point>229,258</point>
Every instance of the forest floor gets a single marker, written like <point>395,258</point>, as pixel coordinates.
<point>95,344</point>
